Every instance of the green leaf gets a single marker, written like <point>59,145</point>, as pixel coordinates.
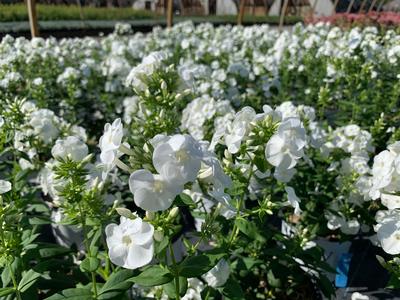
<point>95,239</point>
<point>116,284</point>
<point>232,290</point>
<point>28,279</point>
<point>250,229</point>
<point>184,200</point>
<point>394,282</point>
<point>50,250</point>
<point>152,276</point>
<point>272,280</point>
<point>5,275</point>
<point>210,294</point>
<point>215,254</point>
<point>326,286</point>
<point>160,246</point>
<point>90,264</point>
<point>382,261</point>
<point>195,266</point>
<point>170,288</point>
<point>6,291</point>
<point>73,294</point>
<point>39,220</point>
<point>247,263</point>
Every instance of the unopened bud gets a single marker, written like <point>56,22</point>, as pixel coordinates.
<point>164,86</point>
<point>158,234</point>
<point>186,92</point>
<point>173,213</point>
<point>100,186</point>
<point>124,212</point>
<point>150,215</point>
<point>178,96</point>
<point>87,159</point>
<point>170,67</point>
<point>95,182</point>
<point>227,154</point>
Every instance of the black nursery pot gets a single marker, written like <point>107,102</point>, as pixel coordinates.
<point>366,275</point>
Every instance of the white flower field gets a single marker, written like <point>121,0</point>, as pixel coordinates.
<point>197,162</point>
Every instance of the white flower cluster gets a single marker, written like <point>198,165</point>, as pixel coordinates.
<point>234,148</point>
<point>285,147</point>
<point>202,110</point>
<point>385,186</point>
<point>138,76</point>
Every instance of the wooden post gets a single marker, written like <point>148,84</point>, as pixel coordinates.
<point>266,7</point>
<point>362,6</point>
<point>314,6</point>
<point>182,7</point>
<point>335,4</point>
<point>350,6</point>
<point>380,6</point>
<point>170,12</point>
<point>283,14</point>
<point>241,12</point>
<point>33,23</point>
<point>372,6</point>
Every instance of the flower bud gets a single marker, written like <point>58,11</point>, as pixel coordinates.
<point>95,182</point>
<point>170,67</point>
<point>100,186</point>
<point>227,154</point>
<point>158,234</point>
<point>186,92</point>
<point>150,215</point>
<point>87,159</point>
<point>164,86</point>
<point>173,213</point>
<point>124,212</point>
<point>178,96</point>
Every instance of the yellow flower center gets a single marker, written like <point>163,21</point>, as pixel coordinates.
<point>158,186</point>
<point>181,155</point>
<point>126,239</point>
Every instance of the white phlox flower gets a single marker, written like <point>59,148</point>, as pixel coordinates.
<point>72,147</point>
<point>239,128</point>
<point>153,192</point>
<point>218,275</point>
<point>130,243</point>
<point>293,200</point>
<point>5,186</point>
<point>285,147</point>
<point>178,159</point>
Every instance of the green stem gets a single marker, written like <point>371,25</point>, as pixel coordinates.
<point>3,241</point>
<point>87,246</point>
<point>177,288</point>
<point>94,284</point>
<point>235,230</point>
<point>14,281</point>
